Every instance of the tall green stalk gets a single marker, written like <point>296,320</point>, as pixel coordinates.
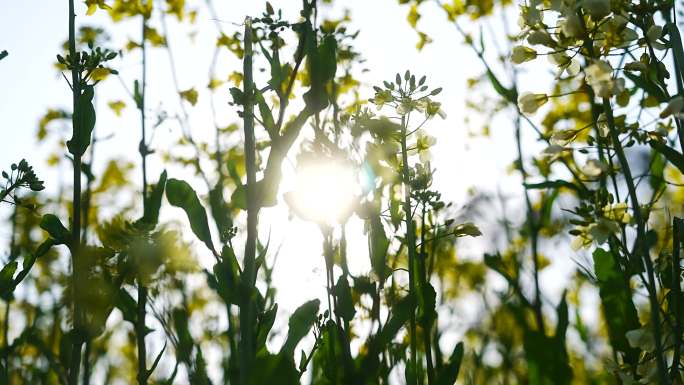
<point>142,289</point>
<point>410,242</point>
<point>640,250</point>
<point>425,323</point>
<point>249,274</point>
<point>75,245</point>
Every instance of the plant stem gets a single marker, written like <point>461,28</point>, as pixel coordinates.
<point>86,362</point>
<point>142,290</point>
<point>676,300</point>
<point>411,243</point>
<point>140,333</point>
<point>76,209</point>
<point>427,328</point>
<point>249,274</point>
<point>639,243</point>
<point>5,339</point>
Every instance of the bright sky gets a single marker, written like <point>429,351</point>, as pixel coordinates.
<point>32,32</point>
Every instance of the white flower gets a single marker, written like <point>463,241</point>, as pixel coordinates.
<point>522,54</point>
<point>641,338</point>
<point>593,168</point>
<point>529,103</point>
<point>554,149</point>
<point>563,136</point>
<point>674,106</point>
<point>602,230</point>
<point>599,75</point>
<point>571,25</point>
<point>539,37</point>
<point>598,9</point>
<point>653,34</point>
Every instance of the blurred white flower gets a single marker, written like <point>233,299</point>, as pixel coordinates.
<point>529,103</point>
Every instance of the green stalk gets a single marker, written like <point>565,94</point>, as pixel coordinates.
<point>76,209</point>
<point>142,290</point>
<point>639,249</point>
<point>427,329</point>
<point>249,274</point>
<point>676,298</point>
<point>411,242</point>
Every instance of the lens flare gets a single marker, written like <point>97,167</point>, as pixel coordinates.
<point>325,191</point>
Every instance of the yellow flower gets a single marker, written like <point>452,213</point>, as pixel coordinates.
<point>100,73</point>
<point>190,95</point>
<point>117,106</point>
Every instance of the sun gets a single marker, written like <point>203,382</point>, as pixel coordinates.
<point>325,191</point>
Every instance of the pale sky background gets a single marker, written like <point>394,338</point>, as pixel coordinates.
<point>32,31</point>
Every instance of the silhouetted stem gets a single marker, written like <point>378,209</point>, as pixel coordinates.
<point>427,328</point>
<point>142,290</point>
<point>676,298</point>
<point>249,273</point>
<point>639,244</point>
<point>410,243</point>
<point>76,209</point>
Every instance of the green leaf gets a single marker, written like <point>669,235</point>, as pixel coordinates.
<point>400,314</point>
<point>299,325</point>
<point>7,278</point>
<point>151,209</point>
<point>180,194</point>
<point>266,320</point>
<point>3,54</point>
<point>508,94</point>
<point>427,302</point>
<point>55,228</point>
<point>226,277</point>
<point>322,65</point>
<point>642,81</point>
<point>84,122</point>
<point>266,115</point>
<point>616,301</point>
<point>345,304</point>
<point>378,247</point>
<point>220,212</point>
<point>274,370</point>
<point>127,306</point>
<point>238,96</point>
<point>156,361</point>
<point>448,373</point>
<point>676,44</point>
<point>672,155</point>
<point>185,342</point>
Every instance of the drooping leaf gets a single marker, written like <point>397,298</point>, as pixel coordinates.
<point>345,304</point>
<point>672,155</point>
<point>299,325</point>
<point>399,315</point>
<point>448,373</point>
<point>7,277</point>
<point>84,122</point>
<point>127,306</point>
<point>322,65</point>
<point>154,198</point>
<point>265,323</point>
<point>180,194</point>
<point>220,212</point>
<point>55,228</point>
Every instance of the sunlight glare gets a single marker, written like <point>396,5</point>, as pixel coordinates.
<point>325,191</point>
